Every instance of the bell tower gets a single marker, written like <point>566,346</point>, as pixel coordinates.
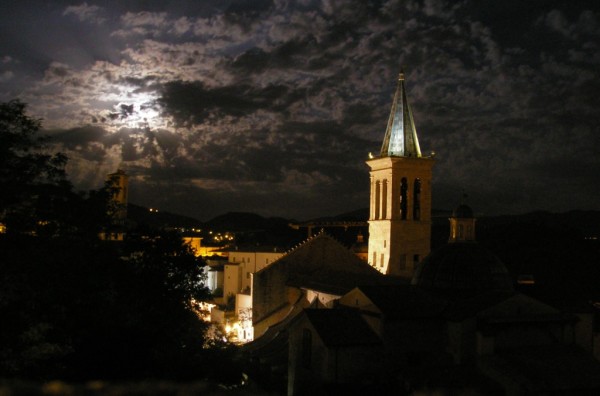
<point>400,205</point>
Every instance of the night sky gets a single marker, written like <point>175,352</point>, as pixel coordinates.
<point>273,106</point>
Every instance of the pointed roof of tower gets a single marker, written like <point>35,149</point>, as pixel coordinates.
<point>401,135</point>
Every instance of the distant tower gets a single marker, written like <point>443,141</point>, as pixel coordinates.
<point>400,215</point>
<point>120,182</point>
<point>462,225</point>
<point>117,208</point>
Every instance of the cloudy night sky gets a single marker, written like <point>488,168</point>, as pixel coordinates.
<point>273,106</point>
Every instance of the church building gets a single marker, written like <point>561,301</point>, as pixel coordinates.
<point>448,321</point>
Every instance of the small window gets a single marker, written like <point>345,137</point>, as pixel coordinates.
<point>382,260</point>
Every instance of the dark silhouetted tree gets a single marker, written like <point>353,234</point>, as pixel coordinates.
<point>31,180</point>
<point>75,307</point>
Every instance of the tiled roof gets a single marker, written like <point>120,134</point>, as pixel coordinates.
<point>322,253</point>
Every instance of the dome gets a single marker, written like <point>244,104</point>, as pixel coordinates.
<point>463,212</point>
<point>462,268</point>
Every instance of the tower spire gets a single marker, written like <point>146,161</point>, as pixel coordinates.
<point>400,138</point>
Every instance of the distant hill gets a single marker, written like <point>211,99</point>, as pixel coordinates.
<point>355,215</point>
<point>560,250</point>
<point>244,221</point>
<point>143,217</point>
<point>579,224</point>
<point>251,228</point>
<point>586,223</point>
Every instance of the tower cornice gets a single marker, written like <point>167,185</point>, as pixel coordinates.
<point>388,162</point>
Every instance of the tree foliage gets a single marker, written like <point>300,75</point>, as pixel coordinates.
<point>77,308</point>
<point>32,180</point>
<point>73,306</point>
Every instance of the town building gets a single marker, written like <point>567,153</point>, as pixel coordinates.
<point>319,271</point>
<point>458,327</point>
<point>230,280</point>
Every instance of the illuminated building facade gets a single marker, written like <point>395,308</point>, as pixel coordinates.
<point>400,204</point>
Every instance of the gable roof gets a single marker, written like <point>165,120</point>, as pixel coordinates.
<point>320,261</point>
<point>341,327</point>
<point>321,258</point>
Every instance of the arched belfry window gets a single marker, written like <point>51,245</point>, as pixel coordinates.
<point>417,200</point>
<point>377,199</point>
<point>384,199</point>
<point>403,197</point>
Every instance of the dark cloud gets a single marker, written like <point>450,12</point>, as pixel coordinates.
<point>247,12</point>
<point>273,106</point>
<point>71,138</point>
<point>194,103</point>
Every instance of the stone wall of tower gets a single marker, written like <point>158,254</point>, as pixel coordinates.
<point>119,181</point>
<point>400,214</point>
